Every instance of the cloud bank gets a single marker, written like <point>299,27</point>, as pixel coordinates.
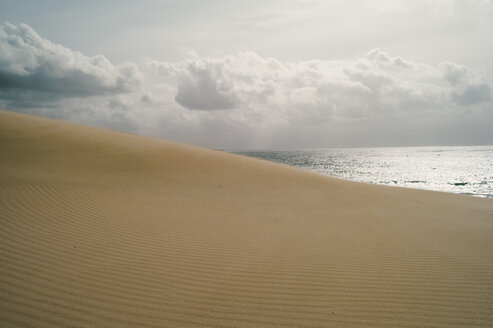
<point>372,85</point>
<point>249,101</point>
<point>33,69</point>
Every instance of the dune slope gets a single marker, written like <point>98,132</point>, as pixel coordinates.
<point>105,229</point>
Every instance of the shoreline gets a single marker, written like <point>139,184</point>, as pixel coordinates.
<point>109,229</point>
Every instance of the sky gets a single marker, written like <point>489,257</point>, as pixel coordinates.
<point>271,74</point>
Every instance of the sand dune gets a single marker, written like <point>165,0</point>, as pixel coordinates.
<point>107,229</point>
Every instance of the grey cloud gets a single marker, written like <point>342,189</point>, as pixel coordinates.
<point>20,98</point>
<point>200,91</point>
<point>468,87</point>
<point>473,94</point>
<point>31,66</point>
<point>148,99</point>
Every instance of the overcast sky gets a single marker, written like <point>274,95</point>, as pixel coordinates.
<point>256,74</point>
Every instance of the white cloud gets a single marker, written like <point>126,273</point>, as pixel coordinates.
<point>269,98</point>
<point>375,85</point>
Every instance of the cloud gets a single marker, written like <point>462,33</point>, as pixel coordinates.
<point>244,100</point>
<point>33,69</point>
<point>371,96</point>
<point>468,87</point>
<point>200,90</point>
<point>374,85</point>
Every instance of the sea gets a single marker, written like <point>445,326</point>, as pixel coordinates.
<point>462,170</point>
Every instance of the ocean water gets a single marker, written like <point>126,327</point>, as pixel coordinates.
<point>463,170</point>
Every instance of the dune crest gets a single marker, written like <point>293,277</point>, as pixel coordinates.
<point>107,229</point>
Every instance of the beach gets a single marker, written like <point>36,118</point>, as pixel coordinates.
<point>101,228</point>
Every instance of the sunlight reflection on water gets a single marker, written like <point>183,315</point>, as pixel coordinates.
<point>464,170</point>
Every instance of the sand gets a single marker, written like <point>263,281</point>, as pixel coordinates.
<point>107,229</point>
